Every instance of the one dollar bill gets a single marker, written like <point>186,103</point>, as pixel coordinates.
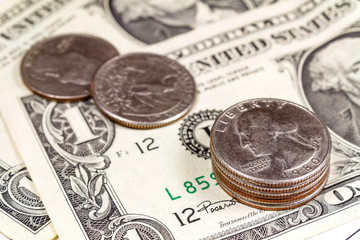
<point>100,180</point>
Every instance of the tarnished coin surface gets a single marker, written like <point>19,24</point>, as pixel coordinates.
<point>143,90</point>
<point>270,142</point>
<point>62,67</point>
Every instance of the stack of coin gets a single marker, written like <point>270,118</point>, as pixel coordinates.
<point>270,154</point>
<point>139,90</point>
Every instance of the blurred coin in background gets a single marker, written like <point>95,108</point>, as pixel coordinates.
<point>61,67</point>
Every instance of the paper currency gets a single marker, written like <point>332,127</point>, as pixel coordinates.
<point>349,231</point>
<point>22,214</point>
<point>22,24</point>
<point>155,21</point>
<point>118,182</point>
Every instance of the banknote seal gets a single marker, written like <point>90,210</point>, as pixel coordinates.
<point>195,132</point>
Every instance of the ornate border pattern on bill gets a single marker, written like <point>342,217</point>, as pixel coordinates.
<point>18,201</point>
<point>75,136</point>
<point>110,181</point>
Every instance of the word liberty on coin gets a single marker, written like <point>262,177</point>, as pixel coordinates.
<point>269,153</point>
<point>61,67</point>
<point>143,90</point>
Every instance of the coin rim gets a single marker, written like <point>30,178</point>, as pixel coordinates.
<point>271,193</point>
<point>260,185</point>
<point>308,188</point>
<point>278,207</point>
<point>271,201</point>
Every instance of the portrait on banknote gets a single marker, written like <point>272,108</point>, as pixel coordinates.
<point>157,20</point>
<point>330,76</point>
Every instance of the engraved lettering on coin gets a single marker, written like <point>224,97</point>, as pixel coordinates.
<point>331,85</point>
<point>61,67</point>
<point>143,90</point>
<point>269,140</point>
<point>195,132</point>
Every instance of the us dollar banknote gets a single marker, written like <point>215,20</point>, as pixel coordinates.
<point>100,180</point>
<point>22,213</point>
<point>156,21</point>
<point>22,24</point>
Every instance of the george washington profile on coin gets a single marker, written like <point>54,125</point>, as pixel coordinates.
<point>278,142</point>
<point>266,140</point>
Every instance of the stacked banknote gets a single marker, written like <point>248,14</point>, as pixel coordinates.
<point>98,179</point>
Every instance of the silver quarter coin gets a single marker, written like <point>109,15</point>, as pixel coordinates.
<point>143,90</point>
<point>270,142</point>
<point>270,153</point>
